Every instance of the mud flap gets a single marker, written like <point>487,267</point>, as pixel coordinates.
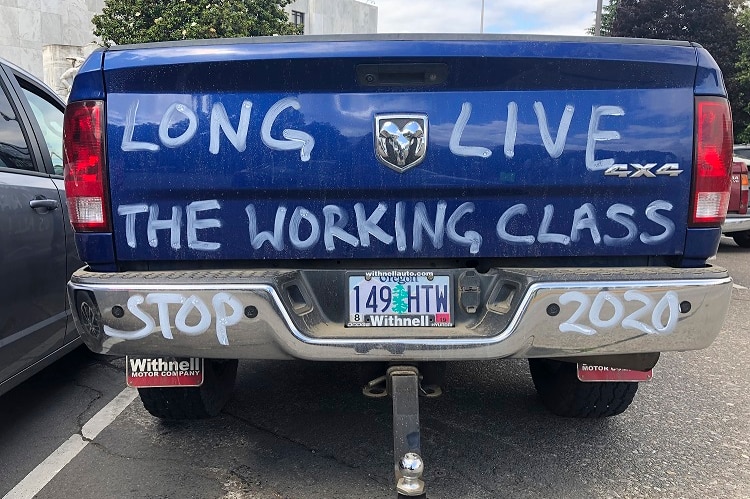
<point>163,372</point>
<point>592,374</point>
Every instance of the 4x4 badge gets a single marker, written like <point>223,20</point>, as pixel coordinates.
<point>645,171</point>
<point>400,140</point>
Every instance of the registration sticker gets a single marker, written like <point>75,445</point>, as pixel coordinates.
<point>162,372</point>
<point>590,373</point>
<point>400,298</point>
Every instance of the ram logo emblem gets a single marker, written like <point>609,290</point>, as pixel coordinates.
<point>400,140</point>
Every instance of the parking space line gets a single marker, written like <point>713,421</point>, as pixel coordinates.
<point>40,476</point>
<point>737,286</point>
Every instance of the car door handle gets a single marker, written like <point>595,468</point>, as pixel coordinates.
<point>43,203</point>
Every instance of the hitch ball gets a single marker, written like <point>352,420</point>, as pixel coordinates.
<point>411,467</point>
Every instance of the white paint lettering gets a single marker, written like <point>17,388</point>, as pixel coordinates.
<point>458,131</point>
<point>652,213</point>
<point>180,320</point>
<point>298,215</point>
<point>400,226</point>
<point>554,149</point>
<point>595,313</point>
<point>621,213</point>
<point>368,226</point>
<point>220,121</point>
<point>148,322</point>
<point>222,319</point>
<point>188,305</point>
<point>422,224</point>
<point>336,219</point>
<point>625,222</point>
<point>633,321</point>
<point>502,224</point>
<point>470,239</point>
<point>669,304</point>
<point>571,325</point>
<point>295,139</point>
<point>596,135</point>
<point>194,224</point>
<point>511,130</point>
<point>276,238</point>
<point>172,224</point>
<point>166,123</point>
<point>130,211</point>
<point>162,301</point>
<point>128,144</point>
<point>584,218</point>
<point>544,235</point>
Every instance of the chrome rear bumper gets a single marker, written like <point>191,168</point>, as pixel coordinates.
<point>280,314</point>
<point>735,223</point>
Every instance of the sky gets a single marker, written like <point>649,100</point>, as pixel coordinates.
<point>547,17</point>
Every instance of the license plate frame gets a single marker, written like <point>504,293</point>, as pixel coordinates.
<point>433,307</point>
<point>164,372</point>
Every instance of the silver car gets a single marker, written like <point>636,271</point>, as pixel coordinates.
<point>37,250</point>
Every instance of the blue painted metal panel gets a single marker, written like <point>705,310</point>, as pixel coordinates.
<point>700,243</point>
<point>343,170</point>
<point>89,82</point>
<point>635,51</point>
<point>708,78</point>
<point>512,191</point>
<point>98,248</point>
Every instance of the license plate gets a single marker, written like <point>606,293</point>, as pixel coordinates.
<point>590,373</point>
<point>400,299</point>
<point>162,372</point>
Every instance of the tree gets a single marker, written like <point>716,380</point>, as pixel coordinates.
<point>708,22</point>
<point>608,17</point>
<point>741,105</point>
<point>711,23</point>
<point>136,21</point>
<point>400,298</point>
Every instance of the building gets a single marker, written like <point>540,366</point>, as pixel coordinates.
<point>329,17</point>
<point>48,37</point>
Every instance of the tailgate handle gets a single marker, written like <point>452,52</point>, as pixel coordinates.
<point>402,75</point>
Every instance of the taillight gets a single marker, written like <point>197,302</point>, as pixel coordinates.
<point>744,190</point>
<point>713,161</point>
<point>83,153</point>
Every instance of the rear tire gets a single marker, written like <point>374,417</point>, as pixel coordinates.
<point>563,394</point>
<point>742,239</point>
<point>200,402</point>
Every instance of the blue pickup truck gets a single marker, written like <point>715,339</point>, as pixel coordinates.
<point>398,199</point>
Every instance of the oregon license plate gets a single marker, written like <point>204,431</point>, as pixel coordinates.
<point>400,298</point>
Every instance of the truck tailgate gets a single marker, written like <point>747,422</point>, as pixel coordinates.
<point>395,148</point>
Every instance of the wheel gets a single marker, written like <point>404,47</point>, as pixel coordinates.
<point>200,402</point>
<point>742,238</point>
<point>562,394</point>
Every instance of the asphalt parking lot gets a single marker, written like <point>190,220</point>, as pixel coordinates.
<point>304,430</point>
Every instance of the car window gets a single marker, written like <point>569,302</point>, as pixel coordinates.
<point>742,153</point>
<point>50,119</point>
<point>14,152</point>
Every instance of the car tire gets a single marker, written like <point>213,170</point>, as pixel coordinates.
<point>200,402</point>
<point>563,394</point>
<point>742,239</point>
